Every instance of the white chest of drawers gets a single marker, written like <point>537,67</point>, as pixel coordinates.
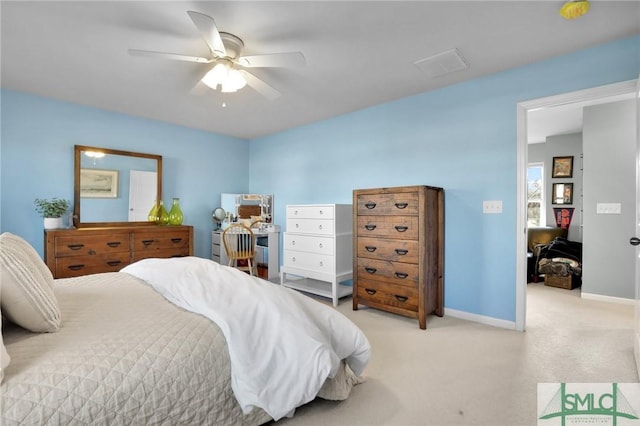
<point>317,249</point>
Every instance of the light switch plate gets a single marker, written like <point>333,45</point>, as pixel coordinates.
<point>608,208</point>
<point>492,207</point>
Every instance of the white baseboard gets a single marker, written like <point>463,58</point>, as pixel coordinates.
<point>510,325</point>
<point>611,299</point>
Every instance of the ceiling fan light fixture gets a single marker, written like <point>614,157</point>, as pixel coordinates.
<point>234,82</point>
<point>574,9</point>
<point>229,79</point>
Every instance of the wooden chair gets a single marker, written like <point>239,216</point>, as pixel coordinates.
<point>239,242</point>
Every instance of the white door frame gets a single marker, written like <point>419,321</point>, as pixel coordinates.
<point>522,108</point>
<point>636,333</point>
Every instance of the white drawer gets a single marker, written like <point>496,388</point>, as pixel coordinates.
<point>216,238</point>
<point>311,226</point>
<point>309,261</point>
<point>307,243</point>
<point>310,212</point>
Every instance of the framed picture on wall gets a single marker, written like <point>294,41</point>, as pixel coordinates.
<point>562,167</point>
<point>562,193</point>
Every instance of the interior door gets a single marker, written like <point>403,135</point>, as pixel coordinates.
<point>142,194</point>
<point>636,239</point>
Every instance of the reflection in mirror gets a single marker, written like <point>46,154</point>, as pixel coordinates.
<point>248,206</point>
<point>114,187</point>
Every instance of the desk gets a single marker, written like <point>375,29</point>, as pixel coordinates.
<point>267,250</point>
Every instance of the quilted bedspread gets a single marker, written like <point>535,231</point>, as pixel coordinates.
<point>125,355</point>
<point>283,345</point>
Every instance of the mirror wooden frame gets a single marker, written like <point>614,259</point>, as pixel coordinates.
<point>78,149</point>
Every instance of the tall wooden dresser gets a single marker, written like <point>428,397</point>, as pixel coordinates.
<point>398,258</point>
<point>83,251</point>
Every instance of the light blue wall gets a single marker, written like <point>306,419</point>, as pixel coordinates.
<point>38,136</point>
<point>462,138</point>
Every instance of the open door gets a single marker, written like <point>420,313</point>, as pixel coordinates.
<point>635,240</point>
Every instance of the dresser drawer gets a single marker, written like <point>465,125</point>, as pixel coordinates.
<point>160,253</point>
<point>309,261</point>
<point>388,294</point>
<point>393,250</point>
<point>403,227</point>
<point>308,243</point>
<point>388,204</point>
<point>310,212</point>
<point>92,244</point>
<point>310,226</point>
<point>143,241</point>
<point>404,274</point>
<point>74,266</point>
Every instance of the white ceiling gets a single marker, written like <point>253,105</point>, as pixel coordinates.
<point>358,53</point>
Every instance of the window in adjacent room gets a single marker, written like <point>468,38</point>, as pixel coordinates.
<point>535,195</point>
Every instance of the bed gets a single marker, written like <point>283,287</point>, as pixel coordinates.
<point>136,347</point>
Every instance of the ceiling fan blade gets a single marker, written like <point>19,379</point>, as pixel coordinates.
<point>209,32</point>
<point>172,56</point>
<point>288,60</point>
<point>260,86</point>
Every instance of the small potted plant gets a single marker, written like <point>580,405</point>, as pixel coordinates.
<point>52,211</point>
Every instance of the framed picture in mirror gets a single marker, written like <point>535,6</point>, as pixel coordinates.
<point>95,183</point>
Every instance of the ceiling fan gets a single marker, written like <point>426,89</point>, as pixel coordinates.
<point>229,70</point>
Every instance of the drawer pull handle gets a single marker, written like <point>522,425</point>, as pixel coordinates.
<point>293,243</point>
<point>113,262</point>
<point>293,259</point>
<point>370,270</point>
<point>402,205</point>
<point>402,252</point>
<point>147,242</point>
<point>321,212</point>
<point>401,298</point>
<point>401,275</point>
<point>320,245</point>
<point>321,263</point>
<point>370,291</point>
<point>370,227</point>
<point>75,246</point>
<point>176,240</point>
<point>401,228</point>
<point>76,267</point>
<point>371,249</point>
<point>320,227</point>
<point>370,205</point>
<point>113,243</point>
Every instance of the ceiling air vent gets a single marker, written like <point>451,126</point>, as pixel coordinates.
<point>442,63</point>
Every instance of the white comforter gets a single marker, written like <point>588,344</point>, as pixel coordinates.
<point>283,345</point>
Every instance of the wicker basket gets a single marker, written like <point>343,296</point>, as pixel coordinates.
<point>567,282</point>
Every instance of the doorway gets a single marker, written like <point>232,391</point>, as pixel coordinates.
<point>589,96</point>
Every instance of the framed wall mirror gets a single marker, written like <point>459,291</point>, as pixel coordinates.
<point>113,187</point>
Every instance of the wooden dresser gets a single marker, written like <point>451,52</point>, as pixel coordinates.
<point>74,252</point>
<point>398,258</point>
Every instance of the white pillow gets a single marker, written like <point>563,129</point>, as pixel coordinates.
<point>26,286</point>
<point>4,356</point>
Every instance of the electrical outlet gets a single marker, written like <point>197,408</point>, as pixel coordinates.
<point>492,207</point>
<point>608,208</point>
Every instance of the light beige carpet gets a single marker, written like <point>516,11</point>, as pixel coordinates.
<point>462,373</point>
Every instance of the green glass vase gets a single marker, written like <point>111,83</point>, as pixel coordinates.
<point>153,213</point>
<point>175,214</point>
<point>162,218</point>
